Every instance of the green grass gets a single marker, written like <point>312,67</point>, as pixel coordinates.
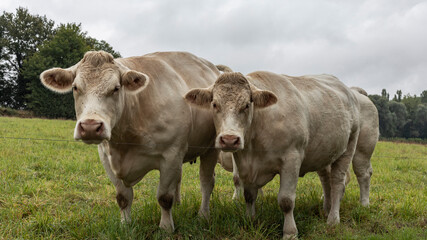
<point>58,190</point>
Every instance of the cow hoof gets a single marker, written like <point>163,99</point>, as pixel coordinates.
<point>333,220</point>
<point>125,219</point>
<point>365,203</point>
<point>289,237</point>
<point>167,227</point>
<point>204,215</point>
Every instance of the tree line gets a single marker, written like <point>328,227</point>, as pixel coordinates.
<point>30,44</point>
<point>403,116</point>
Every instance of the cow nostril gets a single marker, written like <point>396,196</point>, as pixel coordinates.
<point>81,129</point>
<point>237,141</point>
<point>100,128</point>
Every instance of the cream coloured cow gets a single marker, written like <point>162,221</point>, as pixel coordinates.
<point>133,108</point>
<point>278,124</point>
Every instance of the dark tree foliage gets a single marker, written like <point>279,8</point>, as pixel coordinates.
<point>423,96</point>
<point>65,49</point>
<point>399,117</point>
<point>420,120</point>
<point>398,96</point>
<point>387,129</point>
<point>21,34</point>
<point>402,117</point>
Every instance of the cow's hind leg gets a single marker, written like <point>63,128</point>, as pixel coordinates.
<point>124,195</point>
<point>250,194</point>
<point>207,179</point>
<point>324,176</point>
<point>363,170</point>
<point>338,175</point>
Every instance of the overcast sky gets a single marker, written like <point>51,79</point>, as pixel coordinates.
<point>371,44</point>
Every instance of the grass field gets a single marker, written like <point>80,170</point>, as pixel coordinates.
<point>58,190</point>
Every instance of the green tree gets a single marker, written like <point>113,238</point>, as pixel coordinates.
<point>21,34</point>
<point>399,117</point>
<point>424,96</point>
<point>420,120</point>
<point>102,45</point>
<point>65,49</point>
<point>398,96</point>
<point>386,123</point>
<point>411,103</point>
<point>385,94</point>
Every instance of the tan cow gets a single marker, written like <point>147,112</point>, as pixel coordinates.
<point>133,108</point>
<point>278,124</point>
<point>368,138</point>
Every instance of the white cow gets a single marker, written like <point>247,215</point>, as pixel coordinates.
<point>133,108</point>
<point>278,124</point>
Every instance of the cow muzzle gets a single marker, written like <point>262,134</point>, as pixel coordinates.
<point>229,143</point>
<point>90,131</point>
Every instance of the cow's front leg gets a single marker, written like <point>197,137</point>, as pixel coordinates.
<point>287,192</point>
<point>170,177</point>
<point>236,180</point>
<point>207,179</point>
<point>177,199</point>
<point>250,194</point>
<point>124,194</point>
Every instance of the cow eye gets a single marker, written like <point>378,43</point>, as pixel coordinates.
<point>215,106</point>
<point>74,88</point>
<point>245,108</point>
<point>116,89</point>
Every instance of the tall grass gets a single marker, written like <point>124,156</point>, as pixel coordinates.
<point>58,190</point>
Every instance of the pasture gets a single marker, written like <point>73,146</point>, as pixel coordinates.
<point>59,190</point>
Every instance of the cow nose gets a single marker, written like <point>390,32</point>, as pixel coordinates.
<point>229,141</point>
<point>91,128</point>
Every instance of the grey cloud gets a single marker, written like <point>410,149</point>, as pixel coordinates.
<point>372,44</point>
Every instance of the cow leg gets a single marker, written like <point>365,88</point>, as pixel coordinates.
<point>178,192</point>
<point>324,176</point>
<point>287,192</point>
<point>124,195</point>
<point>338,175</point>
<point>363,170</point>
<point>237,181</point>
<point>170,178</point>
<point>250,194</point>
<point>207,179</point>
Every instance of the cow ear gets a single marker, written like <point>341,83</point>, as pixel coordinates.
<point>201,97</point>
<point>58,79</point>
<point>262,98</point>
<point>134,81</point>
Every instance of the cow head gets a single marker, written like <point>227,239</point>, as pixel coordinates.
<point>99,84</point>
<point>232,100</point>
